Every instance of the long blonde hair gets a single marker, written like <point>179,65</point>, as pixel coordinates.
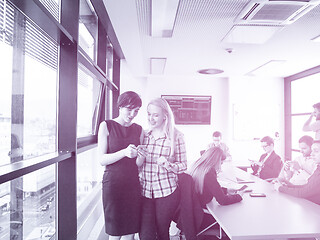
<point>169,124</point>
<point>209,159</point>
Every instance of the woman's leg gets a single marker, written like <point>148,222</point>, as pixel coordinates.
<point>165,210</point>
<point>114,237</point>
<point>127,237</point>
<point>148,228</point>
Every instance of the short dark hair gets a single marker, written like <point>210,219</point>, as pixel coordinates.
<point>216,134</point>
<point>129,99</point>
<point>317,106</point>
<point>307,140</point>
<point>268,140</point>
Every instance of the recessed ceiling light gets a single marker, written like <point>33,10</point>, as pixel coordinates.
<point>157,65</point>
<point>210,71</point>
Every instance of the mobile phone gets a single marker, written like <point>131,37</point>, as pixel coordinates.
<point>242,188</point>
<point>257,195</point>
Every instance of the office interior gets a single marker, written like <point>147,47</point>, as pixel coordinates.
<point>64,63</point>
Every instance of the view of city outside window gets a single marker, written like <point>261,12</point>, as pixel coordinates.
<point>28,121</point>
<point>88,29</point>
<point>89,90</point>
<point>28,99</point>
<point>29,211</point>
<point>304,93</point>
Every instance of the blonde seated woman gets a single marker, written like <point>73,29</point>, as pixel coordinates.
<point>204,174</point>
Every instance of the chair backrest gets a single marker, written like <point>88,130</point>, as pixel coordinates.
<point>190,212</point>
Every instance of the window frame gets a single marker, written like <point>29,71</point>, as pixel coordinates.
<point>287,105</point>
<point>65,33</point>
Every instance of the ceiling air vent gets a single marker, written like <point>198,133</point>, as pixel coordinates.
<point>274,12</point>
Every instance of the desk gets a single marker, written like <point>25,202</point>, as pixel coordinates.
<point>276,216</point>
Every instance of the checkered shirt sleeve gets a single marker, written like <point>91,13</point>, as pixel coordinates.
<point>156,181</point>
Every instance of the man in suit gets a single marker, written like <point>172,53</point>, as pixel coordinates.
<point>270,164</point>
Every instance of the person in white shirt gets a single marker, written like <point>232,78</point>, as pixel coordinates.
<point>297,172</point>
<point>313,126</point>
<point>216,142</point>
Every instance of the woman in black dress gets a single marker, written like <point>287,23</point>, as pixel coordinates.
<point>118,141</point>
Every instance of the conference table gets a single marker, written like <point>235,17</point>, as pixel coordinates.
<point>276,216</point>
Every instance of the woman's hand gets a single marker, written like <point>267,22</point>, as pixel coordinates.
<point>163,162</point>
<point>142,151</point>
<point>131,151</point>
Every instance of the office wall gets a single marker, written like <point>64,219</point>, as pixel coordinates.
<point>196,136</point>
<point>258,100</point>
<point>256,110</point>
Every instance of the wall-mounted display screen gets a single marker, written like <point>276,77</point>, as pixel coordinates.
<point>190,109</point>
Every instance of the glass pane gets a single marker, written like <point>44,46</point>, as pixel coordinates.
<point>40,108</point>
<point>297,133</point>
<point>89,173</point>
<point>28,100</point>
<point>89,90</point>
<point>88,28</point>
<point>109,59</point>
<point>28,206</point>
<point>305,93</point>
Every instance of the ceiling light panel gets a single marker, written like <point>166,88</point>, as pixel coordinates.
<point>316,39</point>
<point>250,34</point>
<point>157,65</point>
<point>273,67</point>
<point>163,16</point>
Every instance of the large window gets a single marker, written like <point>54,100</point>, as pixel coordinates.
<point>304,91</point>
<point>28,125</point>
<point>50,174</point>
<point>28,109</point>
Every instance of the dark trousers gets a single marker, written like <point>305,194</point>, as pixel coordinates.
<point>157,214</point>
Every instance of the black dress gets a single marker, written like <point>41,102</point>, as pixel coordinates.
<point>121,192</point>
<point>212,189</point>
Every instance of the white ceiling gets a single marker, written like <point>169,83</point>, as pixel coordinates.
<point>196,42</point>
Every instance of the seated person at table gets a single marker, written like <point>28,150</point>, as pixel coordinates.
<point>270,164</point>
<point>310,190</point>
<point>204,174</point>
<point>216,142</point>
<point>298,171</point>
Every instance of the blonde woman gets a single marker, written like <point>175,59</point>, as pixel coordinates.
<point>165,158</point>
<point>204,174</point>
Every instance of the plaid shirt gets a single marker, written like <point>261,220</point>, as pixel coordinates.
<point>156,181</point>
